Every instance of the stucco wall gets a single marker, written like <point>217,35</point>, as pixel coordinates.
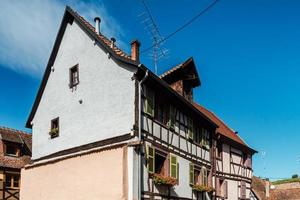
<point>105,88</point>
<point>93,176</point>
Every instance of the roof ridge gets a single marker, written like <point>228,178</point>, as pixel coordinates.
<point>100,35</point>
<point>14,130</point>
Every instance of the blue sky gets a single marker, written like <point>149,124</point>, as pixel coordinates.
<point>247,54</point>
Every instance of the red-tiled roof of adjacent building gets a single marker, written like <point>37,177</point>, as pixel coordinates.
<point>223,129</point>
<point>20,138</point>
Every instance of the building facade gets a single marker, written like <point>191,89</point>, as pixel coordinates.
<point>15,152</point>
<point>109,128</point>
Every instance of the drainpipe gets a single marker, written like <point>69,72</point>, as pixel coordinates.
<point>140,137</point>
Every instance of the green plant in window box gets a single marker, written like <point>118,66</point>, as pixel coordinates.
<point>53,132</point>
<point>159,179</point>
<point>202,188</point>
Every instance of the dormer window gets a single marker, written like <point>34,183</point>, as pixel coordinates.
<point>12,150</point>
<point>74,76</point>
<point>54,130</point>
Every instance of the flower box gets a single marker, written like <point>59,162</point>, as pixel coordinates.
<point>53,132</point>
<point>202,188</point>
<point>159,179</point>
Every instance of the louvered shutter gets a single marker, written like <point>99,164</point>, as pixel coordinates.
<point>192,176</point>
<point>151,159</point>
<point>173,167</point>
<point>190,129</point>
<point>225,189</point>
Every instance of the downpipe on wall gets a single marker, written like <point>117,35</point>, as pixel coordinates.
<point>140,137</point>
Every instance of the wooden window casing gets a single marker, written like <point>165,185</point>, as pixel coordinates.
<point>74,76</point>
<point>12,180</point>
<point>12,150</point>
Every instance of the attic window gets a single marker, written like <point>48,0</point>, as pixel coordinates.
<point>12,150</point>
<point>74,76</point>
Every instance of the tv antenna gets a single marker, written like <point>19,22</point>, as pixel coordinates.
<point>158,52</point>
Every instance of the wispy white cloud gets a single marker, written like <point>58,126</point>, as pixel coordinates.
<point>28,30</point>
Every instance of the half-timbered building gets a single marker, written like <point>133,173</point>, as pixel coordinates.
<point>109,128</point>
<point>15,152</point>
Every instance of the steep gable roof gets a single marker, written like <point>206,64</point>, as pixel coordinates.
<point>69,16</point>
<point>222,129</point>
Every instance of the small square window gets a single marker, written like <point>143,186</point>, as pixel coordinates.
<point>12,180</point>
<point>11,150</point>
<point>54,130</point>
<point>74,76</point>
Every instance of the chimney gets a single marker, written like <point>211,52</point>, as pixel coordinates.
<point>267,185</point>
<point>112,44</point>
<point>97,21</point>
<point>135,50</point>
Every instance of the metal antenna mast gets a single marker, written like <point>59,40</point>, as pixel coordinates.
<point>157,52</point>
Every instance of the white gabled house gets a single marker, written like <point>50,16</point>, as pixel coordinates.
<point>105,127</point>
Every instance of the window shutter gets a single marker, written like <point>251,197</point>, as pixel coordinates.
<point>172,116</point>
<point>173,167</point>
<point>243,189</point>
<point>192,177</point>
<point>225,189</point>
<point>218,191</point>
<point>190,129</point>
<point>149,102</point>
<point>151,159</point>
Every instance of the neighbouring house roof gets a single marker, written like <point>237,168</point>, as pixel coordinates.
<point>69,16</point>
<point>20,137</point>
<point>285,194</point>
<point>187,66</point>
<point>222,129</point>
<point>258,186</point>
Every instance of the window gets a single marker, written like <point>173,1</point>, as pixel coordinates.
<point>161,112</point>
<point>198,175</point>
<point>12,150</point>
<point>159,163</point>
<point>54,130</point>
<point>195,175</point>
<point>205,138</point>
<point>149,101</point>
<point>12,180</point>
<point>74,76</point>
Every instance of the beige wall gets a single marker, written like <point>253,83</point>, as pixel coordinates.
<point>97,175</point>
